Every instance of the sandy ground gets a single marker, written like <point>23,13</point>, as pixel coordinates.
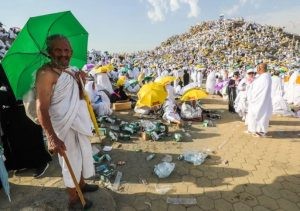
<point>241,173</point>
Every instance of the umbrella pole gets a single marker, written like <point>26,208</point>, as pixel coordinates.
<point>74,179</point>
<point>91,110</point>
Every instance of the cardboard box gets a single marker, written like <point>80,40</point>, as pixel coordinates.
<point>120,106</point>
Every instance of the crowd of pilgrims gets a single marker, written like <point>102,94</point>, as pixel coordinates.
<point>218,56</point>
<point>125,80</point>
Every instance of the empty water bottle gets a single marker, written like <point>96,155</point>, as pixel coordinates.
<point>150,157</point>
<point>164,169</point>
<point>127,128</point>
<point>114,127</point>
<point>110,120</point>
<point>154,136</point>
<point>117,181</point>
<point>197,158</point>
<point>113,136</point>
<point>124,137</point>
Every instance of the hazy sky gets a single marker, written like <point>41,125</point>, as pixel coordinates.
<point>131,25</point>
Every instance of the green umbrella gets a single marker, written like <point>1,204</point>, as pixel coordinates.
<point>28,52</point>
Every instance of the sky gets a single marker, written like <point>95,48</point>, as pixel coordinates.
<point>133,25</point>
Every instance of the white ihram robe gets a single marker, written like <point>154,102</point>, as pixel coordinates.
<point>280,106</point>
<point>259,104</point>
<point>293,95</point>
<point>72,124</point>
<point>99,100</point>
<point>211,82</point>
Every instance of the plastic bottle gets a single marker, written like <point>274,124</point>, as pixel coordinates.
<point>124,137</point>
<point>154,136</point>
<point>113,136</point>
<point>150,157</point>
<point>127,128</point>
<point>117,181</point>
<point>164,169</point>
<point>197,158</point>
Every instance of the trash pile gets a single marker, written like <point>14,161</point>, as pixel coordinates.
<point>226,43</point>
<point>6,38</point>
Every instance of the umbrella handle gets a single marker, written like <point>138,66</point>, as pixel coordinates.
<point>74,179</point>
<point>90,109</point>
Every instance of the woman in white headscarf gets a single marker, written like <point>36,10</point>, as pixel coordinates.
<point>99,100</point>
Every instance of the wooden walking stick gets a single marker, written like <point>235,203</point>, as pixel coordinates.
<point>74,179</point>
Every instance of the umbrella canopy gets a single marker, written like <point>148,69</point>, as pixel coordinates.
<point>104,69</point>
<point>121,81</point>
<point>193,94</point>
<point>151,94</point>
<point>165,80</point>
<point>28,52</point>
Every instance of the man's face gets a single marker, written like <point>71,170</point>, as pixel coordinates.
<point>61,53</point>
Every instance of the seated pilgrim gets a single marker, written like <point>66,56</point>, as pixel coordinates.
<point>119,93</point>
<point>132,86</point>
<point>190,110</point>
<point>170,112</point>
<point>99,100</point>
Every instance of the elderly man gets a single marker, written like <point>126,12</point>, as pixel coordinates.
<point>64,116</point>
<point>260,103</point>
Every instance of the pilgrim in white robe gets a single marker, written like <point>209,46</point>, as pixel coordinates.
<point>294,89</point>
<point>99,100</point>
<point>190,112</point>
<point>72,124</point>
<point>199,78</point>
<point>103,82</point>
<point>280,106</point>
<point>260,104</point>
<point>170,113</point>
<point>211,82</point>
<point>171,93</point>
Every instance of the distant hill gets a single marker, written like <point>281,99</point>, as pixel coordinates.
<point>231,42</point>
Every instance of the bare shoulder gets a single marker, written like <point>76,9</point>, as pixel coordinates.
<point>46,74</point>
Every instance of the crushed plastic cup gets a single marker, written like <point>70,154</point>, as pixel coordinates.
<point>164,169</point>
<point>197,158</point>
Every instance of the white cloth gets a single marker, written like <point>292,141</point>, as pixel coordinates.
<point>171,92</point>
<point>133,88</point>
<point>170,114</point>
<point>142,110</point>
<point>280,106</point>
<point>99,100</point>
<point>103,82</point>
<point>260,104</point>
<point>71,122</point>
<point>293,95</point>
<point>188,87</point>
<point>240,103</point>
<point>211,82</point>
<point>189,112</point>
<point>199,78</point>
